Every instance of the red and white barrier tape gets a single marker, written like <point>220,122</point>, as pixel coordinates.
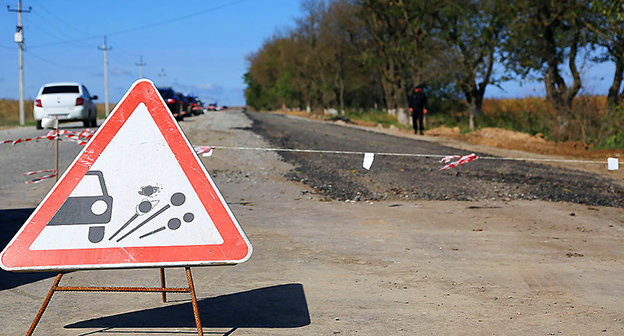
<point>613,162</point>
<point>16,141</point>
<point>462,160</point>
<point>81,137</point>
<point>41,178</point>
<point>39,172</point>
<point>448,159</point>
<point>204,150</point>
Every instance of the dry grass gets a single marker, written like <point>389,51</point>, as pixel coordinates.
<point>9,112</point>
<point>584,122</point>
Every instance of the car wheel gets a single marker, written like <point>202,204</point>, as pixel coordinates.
<point>38,124</point>
<point>94,119</point>
<point>180,113</point>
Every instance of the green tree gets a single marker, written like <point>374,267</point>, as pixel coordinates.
<point>473,32</point>
<point>543,35</point>
<point>606,22</point>
<point>399,45</point>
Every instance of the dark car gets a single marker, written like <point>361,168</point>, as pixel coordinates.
<point>186,105</point>
<point>197,107</point>
<point>175,104</point>
<point>212,107</point>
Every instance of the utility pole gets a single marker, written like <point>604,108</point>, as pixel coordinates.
<point>19,38</point>
<point>105,48</point>
<point>162,77</point>
<point>140,65</point>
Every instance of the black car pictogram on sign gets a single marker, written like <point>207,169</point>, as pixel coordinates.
<point>87,210</point>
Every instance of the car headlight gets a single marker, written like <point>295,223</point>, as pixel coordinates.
<point>99,207</point>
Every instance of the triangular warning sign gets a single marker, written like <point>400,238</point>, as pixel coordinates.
<point>136,196</point>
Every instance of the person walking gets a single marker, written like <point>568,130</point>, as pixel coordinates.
<point>417,102</point>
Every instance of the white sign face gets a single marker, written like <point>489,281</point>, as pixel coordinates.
<point>136,196</point>
<point>147,199</point>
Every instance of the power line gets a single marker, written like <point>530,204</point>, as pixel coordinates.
<point>149,25</point>
<point>65,23</point>
<point>67,41</point>
<point>55,63</point>
<point>52,29</point>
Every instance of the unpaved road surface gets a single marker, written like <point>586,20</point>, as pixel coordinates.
<point>342,177</point>
<point>397,266</point>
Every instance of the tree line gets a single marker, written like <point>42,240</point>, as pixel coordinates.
<point>369,54</point>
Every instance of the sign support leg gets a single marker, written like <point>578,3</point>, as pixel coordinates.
<point>190,289</point>
<point>44,305</point>
<point>162,284</point>
<point>189,277</point>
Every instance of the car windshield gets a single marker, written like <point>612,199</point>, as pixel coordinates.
<point>60,89</point>
<point>88,186</point>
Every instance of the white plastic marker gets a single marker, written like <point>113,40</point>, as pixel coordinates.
<point>368,160</point>
<point>612,164</point>
<point>49,122</point>
<point>204,150</point>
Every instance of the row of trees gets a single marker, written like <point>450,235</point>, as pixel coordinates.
<point>363,54</point>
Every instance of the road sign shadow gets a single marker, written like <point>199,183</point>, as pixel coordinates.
<point>281,306</point>
<point>12,220</point>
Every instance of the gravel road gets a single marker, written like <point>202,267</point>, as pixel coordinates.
<point>342,177</point>
<point>398,266</point>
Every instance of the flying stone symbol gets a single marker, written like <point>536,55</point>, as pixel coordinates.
<point>145,206</point>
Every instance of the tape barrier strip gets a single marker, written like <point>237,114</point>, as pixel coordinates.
<point>406,154</point>
<point>41,178</point>
<point>448,159</point>
<point>83,136</point>
<point>203,149</point>
<point>39,172</point>
<point>462,160</point>
<point>14,142</point>
<point>80,137</point>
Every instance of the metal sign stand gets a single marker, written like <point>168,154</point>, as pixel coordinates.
<point>162,289</point>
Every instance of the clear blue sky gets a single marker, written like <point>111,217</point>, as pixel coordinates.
<point>201,45</point>
<point>203,53</point>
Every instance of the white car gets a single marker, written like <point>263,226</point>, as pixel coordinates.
<point>67,102</point>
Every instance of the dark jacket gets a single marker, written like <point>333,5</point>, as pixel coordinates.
<point>417,101</point>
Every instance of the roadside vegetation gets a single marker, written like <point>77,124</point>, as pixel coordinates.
<point>362,57</point>
<point>9,112</point>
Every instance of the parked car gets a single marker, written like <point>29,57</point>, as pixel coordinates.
<point>212,107</point>
<point>174,102</point>
<point>186,106</point>
<point>67,102</point>
<point>197,107</point>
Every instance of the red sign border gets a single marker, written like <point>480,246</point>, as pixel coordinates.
<point>235,247</point>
